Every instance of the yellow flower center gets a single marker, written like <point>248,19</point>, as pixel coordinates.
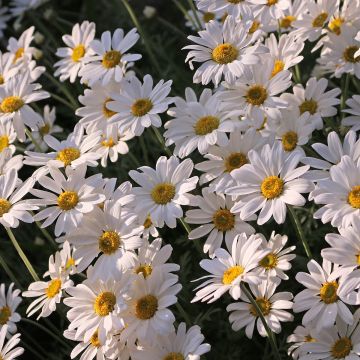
<point>349,54</point>
<point>208,16</point>
<point>271,2</point>
<point>44,130</point>
<point>272,187</point>
<point>174,356</point>
<point>231,274</point>
<point>68,200</point>
<point>224,53</point>
<point>69,263</point>
<point>5,313</point>
<point>163,193</point>
<point>354,197</point>
<point>144,269</point>
<point>108,113</point>
<point>309,338</point>
<point>320,20</point>
<point>141,107</point>
<point>111,59</point>
<point>108,143</point>
<point>147,222</point>
<point>68,155</point>
<point>358,259</point>
<point>269,261</point>
<point>18,54</point>
<point>256,95</point>
<point>5,206</point>
<point>224,220</point>
<point>11,104</point>
<point>104,303</point>
<point>287,21</point>
<point>341,348</point>
<point>146,307</point>
<point>335,25</point>
<point>278,66</point>
<point>53,288</point>
<point>234,1</point>
<point>2,80</point>
<point>308,105</point>
<point>328,292</point>
<point>289,140</point>
<point>78,53</point>
<point>206,124</point>
<point>94,340</point>
<point>263,304</point>
<point>254,26</point>
<point>109,242</point>
<point>235,161</point>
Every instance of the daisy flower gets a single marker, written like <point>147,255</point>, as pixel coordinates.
<point>223,160</point>
<point>354,110</point>
<point>273,9</point>
<point>9,301</point>
<point>295,9</point>
<point>300,336</point>
<point>273,306</point>
<point>223,49</point>
<point>21,48</point>
<point>110,59</point>
<point>78,47</point>
<point>186,345</point>
<point>9,162</point>
<point>68,199</point>
<point>270,181</point>
<point>197,123</point>
<point>8,350</point>
<point>7,67</point>
<point>229,269</point>
<point>216,221</point>
<point>234,8</point>
<point>321,298</point>
<point>163,190</point>
<point>7,137</point>
<point>203,16</point>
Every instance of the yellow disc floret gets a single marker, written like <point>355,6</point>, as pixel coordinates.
<point>224,220</point>
<point>231,274</point>
<point>208,16</point>
<point>341,348</point>
<point>354,197</point>
<point>263,304</point>
<point>308,105</point>
<point>107,113</point>
<point>5,206</point>
<point>235,161</point>
<point>349,54</point>
<point>111,58</point>
<point>287,21</point>
<point>68,200</point>
<point>320,20</point>
<point>279,65</point>
<point>145,269</point>
<point>335,25</point>
<point>105,303</point>
<point>109,242</point>
<point>19,54</point>
<point>11,104</point>
<point>271,2</point>
<point>94,340</point>
<point>256,95</point>
<point>225,53</point>
<point>5,313</point>
<point>328,292</point>
<point>272,187</point>
<point>53,288</point>
<point>68,155</point>
<point>289,140</point>
<point>78,52</point>
<point>163,193</point>
<point>146,307</point>
<point>206,124</point>
<point>269,261</point>
<point>141,107</point>
<point>174,356</point>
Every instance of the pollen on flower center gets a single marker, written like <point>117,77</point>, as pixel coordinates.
<point>109,242</point>
<point>111,58</point>
<point>256,95</point>
<point>354,197</point>
<point>107,113</point>
<point>108,143</point>
<point>144,269</point>
<point>104,303</point>
<point>68,200</point>
<point>289,140</point>
<point>287,21</point>
<point>69,263</point>
<point>349,54</point>
<point>320,20</point>
<point>11,104</point>
<point>224,220</point>
<point>147,222</point>
<point>53,288</point>
<point>335,25</point>
<point>174,356</point>
<point>5,313</point>
<point>224,53</point>
<point>269,261</point>
<point>5,206</point>
<point>271,2</point>
<point>263,304</point>
<point>146,307</point>
<point>2,80</point>
<point>141,107</point>
<point>94,340</point>
<point>308,105</point>
<point>272,187</point>
<point>278,66</point>
<point>208,16</point>
<point>254,26</point>
<point>328,292</point>
<point>68,155</point>
<point>358,258</point>
<point>163,193</point>
<point>235,161</point>
<point>18,54</point>
<point>341,348</point>
<point>45,129</point>
<point>206,124</point>
<point>234,1</point>
<point>309,338</point>
<point>231,274</point>
<point>78,52</point>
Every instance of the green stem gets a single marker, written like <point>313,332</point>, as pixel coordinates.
<point>183,313</point>
<point>47,235</point>
<point>297,74</point>
<point>188,230</point>
<point>9,272</point>
<point>185,13</point>
<point>299,231</point>
<point>259,312</point>
<point>344,95</point>
<point>63,101</point>
<point>144,150</point>
<point>22,255</point>
<point>36,144</point>
<point>133,159</point>
<point>161,140</point>
<point>193,9</point>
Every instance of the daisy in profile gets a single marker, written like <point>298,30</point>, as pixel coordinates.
<point>66,199</point>
<point>273,306</point>
<point>295,9</point>
<point>162,191</point>
<point>321,298</point>
<point>7,67</point>
<point>7,137</point>
<point>235,8</point>
<point>109,59</point>
<point>9,301</point>
<point>203,16</point>
<point>269,182</point>
<point>182,344</point>
<point>138,105</point>
<point>8,350</point>
<point>221,161</point>
<point>15,98</point>
<point>353,119</point>
<point>197,124</point>
<point>229,269</point>
<point>21,48</point>
<point>78,47</point>
<point>224,50</point>
<point>273,9</point>
<point>300,336</point>
<point>217,222</point>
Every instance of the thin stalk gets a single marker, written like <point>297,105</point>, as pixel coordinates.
<point>188,230</point>
<point>185,13</point>
<point>183,313</point>
<point>344,95</point>
<point>160,139</point>
<point>22,255</point>
<point>46,235</point>
<point>297,74</point>
<point>9,272</point>
<point>63,101</point>
<point>36,144</point>
<point>193,9</point>
<point>35,352</point>
<point>299,231</point>
<point>144,150</point>
<point>270,334</point>
<point>133,159</point>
